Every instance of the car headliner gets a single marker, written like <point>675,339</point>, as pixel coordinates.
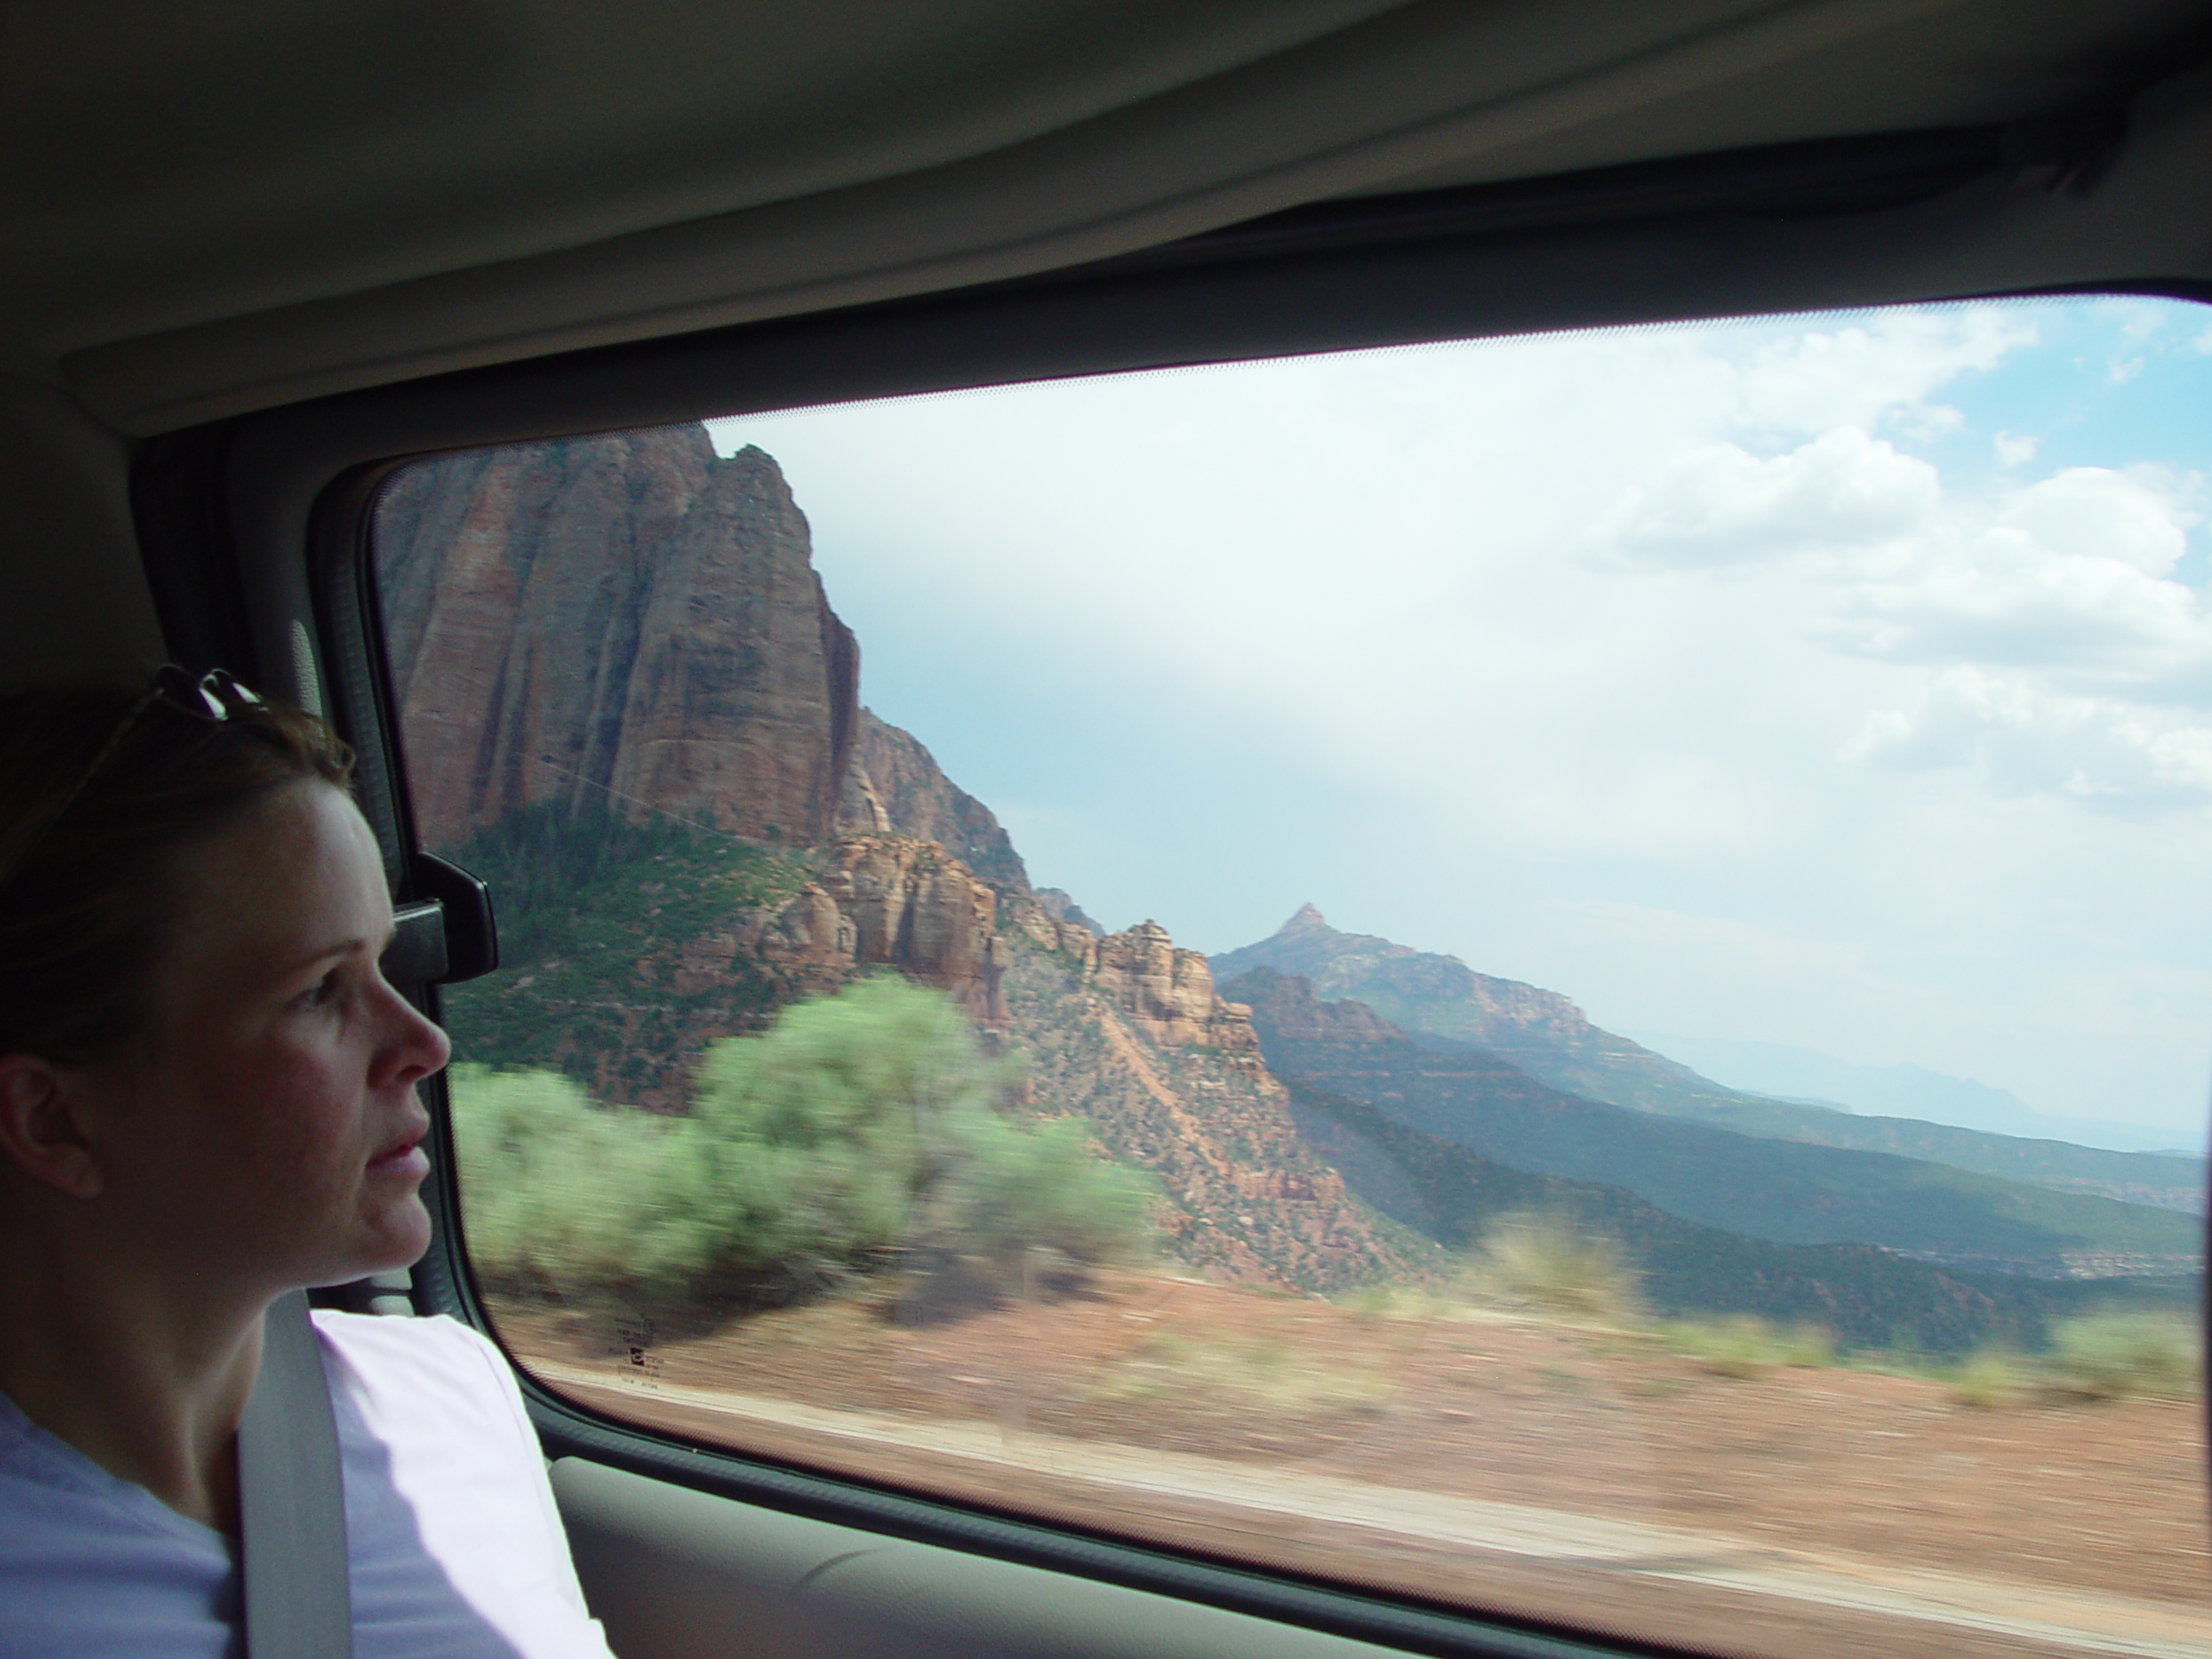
<point>226,206</point>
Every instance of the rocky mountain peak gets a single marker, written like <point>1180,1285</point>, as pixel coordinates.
<point>1307,920</point>
<point>1286,1003</point>
<point>629,623</point>
<point>634,623</point>
<point>1061,907</point>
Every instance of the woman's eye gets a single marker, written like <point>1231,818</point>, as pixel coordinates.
<point>318,995</point>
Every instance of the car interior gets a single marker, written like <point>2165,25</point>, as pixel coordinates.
<point>264,257</point>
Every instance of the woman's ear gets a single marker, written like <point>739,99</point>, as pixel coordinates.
<point>44,1131</point>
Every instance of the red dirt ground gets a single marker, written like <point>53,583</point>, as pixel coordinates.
<point>1887,1471</point>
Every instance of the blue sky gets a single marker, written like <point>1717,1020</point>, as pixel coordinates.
<point>1844,682</point>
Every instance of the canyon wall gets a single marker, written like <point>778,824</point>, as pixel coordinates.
<point>628,620</point>
<point>631,623</point>
<point>918,799</point>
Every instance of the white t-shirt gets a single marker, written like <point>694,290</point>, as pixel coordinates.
<point>457,1551</point>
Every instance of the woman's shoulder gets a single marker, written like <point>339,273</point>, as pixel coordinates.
<point>430,1417</point>
<point>426,1339</point>
<point>435,1341</point>
<point>425,1362</point>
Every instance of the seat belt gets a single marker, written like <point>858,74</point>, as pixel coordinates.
<point>298,1604</point>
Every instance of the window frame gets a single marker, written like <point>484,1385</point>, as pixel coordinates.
<point>257,534</point>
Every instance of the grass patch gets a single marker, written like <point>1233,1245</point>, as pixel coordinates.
<point>1265,1372</point>
<point>1746,1347</point>
<point>1548,1263</point>
<point>1986,1378</point>
<point>2118,1355</point>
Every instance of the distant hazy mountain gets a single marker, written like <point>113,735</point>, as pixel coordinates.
<point>1441,1002</point>
<point>1781,1190</point>
<point>1541,1031</point>
<point>1863,1295</point>
<point>1905,1090</point>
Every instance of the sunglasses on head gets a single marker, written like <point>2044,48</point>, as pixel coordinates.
<point>212,698</point>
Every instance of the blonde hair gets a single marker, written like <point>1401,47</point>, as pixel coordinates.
<point>102,793</point>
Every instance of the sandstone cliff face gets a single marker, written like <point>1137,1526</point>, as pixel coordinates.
<point>880,901</point>
<point>1542,1033</point>
<point>1288,1006</point>
<point>1165,991</point>
<point>915,907</point>
<point>1160,990</point>
<point>1061,907</point>
<point>627,621</point>
<point>1247,1198</point>
<point>914,798</point>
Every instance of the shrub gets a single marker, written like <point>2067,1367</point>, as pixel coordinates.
<point>2111,1355</point>
<point>858,1133</point>
<point>1551,1262</point>
<point>1988,1377</point>
<point>1744,1347</point>
<point>559,1191</point>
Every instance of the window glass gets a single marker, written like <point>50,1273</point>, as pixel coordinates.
<point>1572,977</point>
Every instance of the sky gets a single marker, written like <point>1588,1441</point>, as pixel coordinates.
<point>1843,682</point>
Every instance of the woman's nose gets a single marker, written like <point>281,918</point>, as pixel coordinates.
<point>415,1045</point>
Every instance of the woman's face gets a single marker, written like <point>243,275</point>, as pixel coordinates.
<point>268,1134</point>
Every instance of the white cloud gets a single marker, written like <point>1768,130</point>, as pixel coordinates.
<point>2094,512</point>
<point>1222,642</point>
<point>2022,741</point>
<point>2067,579</point>
<point>1719,505</point>
<point>2045,607</point>
<point>1888,365</point>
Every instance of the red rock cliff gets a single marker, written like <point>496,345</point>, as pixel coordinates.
<point>628,619</point>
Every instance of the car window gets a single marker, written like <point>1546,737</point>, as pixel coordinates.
<point>1570,976</point>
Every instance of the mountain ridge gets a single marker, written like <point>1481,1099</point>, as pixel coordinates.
<point>1804,1076</point>
<point>1785,1191</point>
<point>1861,1296</point>
<point>559,685</point>
<point>1439,1001</point>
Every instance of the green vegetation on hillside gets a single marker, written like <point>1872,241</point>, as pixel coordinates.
<point>2132,1177</point>
<point>1866,1297</point>
<point>1782,1191</point>
<point>1442,1003</point>
<point>861,1134</point>
<point>595,915</point>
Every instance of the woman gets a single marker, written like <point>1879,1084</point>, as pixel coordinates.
<point>207,1100</point>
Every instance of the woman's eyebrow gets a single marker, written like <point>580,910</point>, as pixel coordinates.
<point>324,953</point>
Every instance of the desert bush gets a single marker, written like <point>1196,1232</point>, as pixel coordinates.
<point>1395,1301</point>
<point>1744,1347</point>
<point>1551,1262</point>
<point>1020,1189</point>
<point>1988,1377</point>
<point>861,1132</point>
<point>559,1191</point>
<point>2111,1355</point>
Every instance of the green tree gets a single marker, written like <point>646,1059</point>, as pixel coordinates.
<point>862,1131</point>
<point>557,1191</point>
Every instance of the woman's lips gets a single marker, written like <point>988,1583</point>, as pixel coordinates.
<point>407,1158</point>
